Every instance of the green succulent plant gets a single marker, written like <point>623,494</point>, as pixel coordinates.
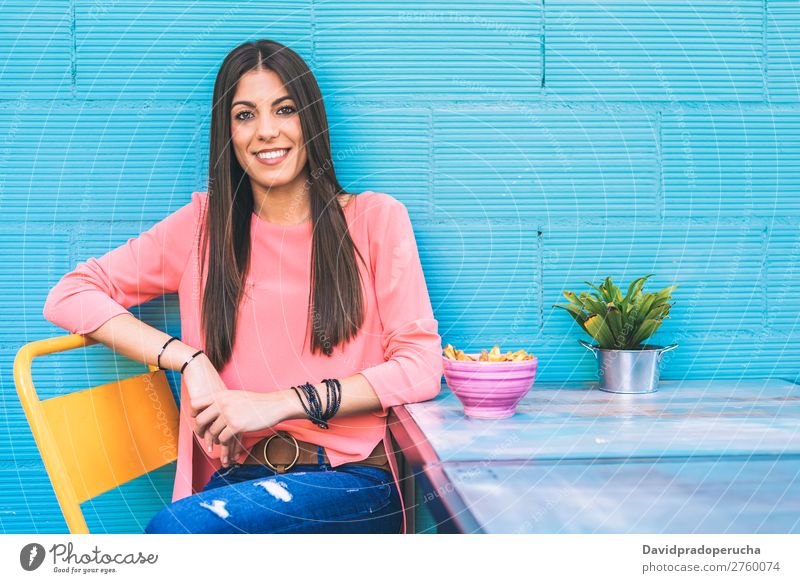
<point>617,322</point>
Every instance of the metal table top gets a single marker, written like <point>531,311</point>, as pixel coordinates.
<point>695,456</point>
<point>727,495</point>
<point>683,418</point>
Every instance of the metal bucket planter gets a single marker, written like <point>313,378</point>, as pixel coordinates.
<point>629,371</point>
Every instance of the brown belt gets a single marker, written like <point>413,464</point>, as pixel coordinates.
<point>281,452</point>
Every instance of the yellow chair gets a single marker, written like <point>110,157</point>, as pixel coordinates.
<point>92,441</point>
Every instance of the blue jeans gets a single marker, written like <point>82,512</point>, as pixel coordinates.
<point>251,498</point>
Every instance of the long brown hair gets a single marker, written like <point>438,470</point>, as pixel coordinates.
<point>336,301</point>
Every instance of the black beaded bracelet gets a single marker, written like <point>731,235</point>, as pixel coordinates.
<point>305,408</point>
<point>158,360</point>
<point>334,397</point>
<point>311,410</point>
<point>315,402</point>
<point>314,407</point>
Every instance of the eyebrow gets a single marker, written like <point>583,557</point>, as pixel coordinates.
<point>251,104</point>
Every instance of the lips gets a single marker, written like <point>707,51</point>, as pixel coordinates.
<point>266,150</point>
<point>272,156</point>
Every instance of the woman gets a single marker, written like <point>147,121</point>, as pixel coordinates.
<point>304,317</point>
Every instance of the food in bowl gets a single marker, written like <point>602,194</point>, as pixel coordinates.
<point>489,384</point>
<point>494,355</point>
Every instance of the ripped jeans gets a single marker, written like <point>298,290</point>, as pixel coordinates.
<point>252,498</point>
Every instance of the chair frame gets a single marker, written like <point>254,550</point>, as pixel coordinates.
<point>39,417</point>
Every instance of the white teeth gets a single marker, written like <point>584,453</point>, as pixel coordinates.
<point>273,154</point>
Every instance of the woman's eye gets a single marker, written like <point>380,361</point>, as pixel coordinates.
<point>287,107</point>
<point>241,113</point>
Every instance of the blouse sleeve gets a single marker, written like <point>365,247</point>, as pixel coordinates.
<point>412,347</point>
<point>143,268</point>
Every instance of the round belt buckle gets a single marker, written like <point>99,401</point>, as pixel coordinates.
<point>296,453</point>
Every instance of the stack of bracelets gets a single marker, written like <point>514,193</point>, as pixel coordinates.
<point>314,407</point>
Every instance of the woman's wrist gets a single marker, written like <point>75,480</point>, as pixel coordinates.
<point>289,405</point>
<point>177,353</point>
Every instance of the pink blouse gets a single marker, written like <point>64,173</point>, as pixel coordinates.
<point>398,349</point>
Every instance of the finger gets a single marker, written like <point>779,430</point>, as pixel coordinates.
<point>202,429</point>
<point>216,428</point>
<point>230,445</point>
<point>232,450</point>
<point>224,453</point>
<point>228,438</point>
<point>209,440</point>
<point>238,448</point>
<point>206,418</point>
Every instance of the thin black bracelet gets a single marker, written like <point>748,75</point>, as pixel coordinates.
<point>316,403</point>
<point>314,407</point>
<point>305,408</point>
<point>158,360</point>
<point>310,409</point>
<point>316,415</point>
<point>185,364</point>
<point>338,397</point>
<point>335,387</point>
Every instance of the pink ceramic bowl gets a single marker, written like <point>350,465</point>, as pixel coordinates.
<point>489,390</point>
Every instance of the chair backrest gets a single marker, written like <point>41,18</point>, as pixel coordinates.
<point>93,440</point>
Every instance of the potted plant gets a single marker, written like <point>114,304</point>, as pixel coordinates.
<point>620,325</point>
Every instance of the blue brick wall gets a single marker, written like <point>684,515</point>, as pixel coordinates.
<point>536,144</point>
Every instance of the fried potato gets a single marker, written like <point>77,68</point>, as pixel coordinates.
<point>463,356</point>
<point>493,355</point>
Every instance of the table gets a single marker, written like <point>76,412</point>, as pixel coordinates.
<point>696,456</point>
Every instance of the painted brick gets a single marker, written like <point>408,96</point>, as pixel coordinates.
<point>35,50</point>
<point>32,263</point>
<point>134,50</point>
<point>627,50</point>
<point>783,267</point>
<point>730,164</point>
<point>100,162</point>
<point>412,51</point>
<point>482,279</point>
<point>719,270</point>
<point>783,50</point>
<point>528,163</point>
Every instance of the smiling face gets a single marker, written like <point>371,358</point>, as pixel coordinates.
<point>266,134</point>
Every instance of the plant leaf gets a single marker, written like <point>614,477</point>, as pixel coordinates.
<point>614,320</point>
<point>643,309</point>
<point>636,287</point>
<point>598,329</point>
<point>645,331</point>
<point>665,294</point>
<point>593,305</point>
<point>614,295</point>
<point>573,299</point>
<point>575,310</point>
<point>576,313</point>
<point>593,286</point>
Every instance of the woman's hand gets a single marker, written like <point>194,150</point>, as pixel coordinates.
<point>202,380</point>
<point>227,415</point>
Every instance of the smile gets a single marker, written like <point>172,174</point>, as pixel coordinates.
<point>272,157</point>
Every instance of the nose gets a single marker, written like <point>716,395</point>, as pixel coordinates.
<point>268,128</point>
